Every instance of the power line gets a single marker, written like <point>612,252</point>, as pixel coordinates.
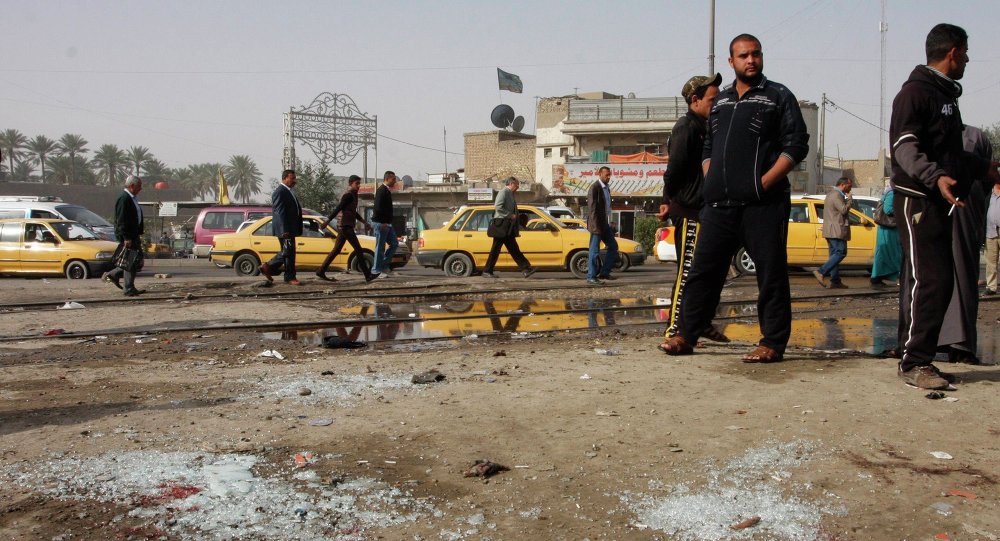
<point>837,107</point>
<point>383,136</point>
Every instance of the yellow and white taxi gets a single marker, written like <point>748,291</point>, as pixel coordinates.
<point>53,247</point>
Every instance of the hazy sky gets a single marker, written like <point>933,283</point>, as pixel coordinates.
<point>202,80</point>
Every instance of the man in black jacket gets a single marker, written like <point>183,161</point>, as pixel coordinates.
<point>682,184</point>
<point>385,233</point>
<point>931,177</point>
<point>128,232</point>
<point>286,224</point>
<point>756,135</point>
<point>599,225</point>
<point>348,210</point>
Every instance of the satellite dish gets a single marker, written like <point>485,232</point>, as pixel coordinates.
<point>518,124</point>
<point>407,181</point>
<point>502,116</point>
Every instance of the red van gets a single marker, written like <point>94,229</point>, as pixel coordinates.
<point>222,219</point>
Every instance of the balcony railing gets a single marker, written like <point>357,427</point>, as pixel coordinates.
<point>626,109</point>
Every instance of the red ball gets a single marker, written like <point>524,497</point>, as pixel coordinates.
<point>161,185</point>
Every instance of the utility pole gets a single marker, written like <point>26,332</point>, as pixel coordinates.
<point>445,128</point>
<point>883,28</point>
<point>711,38</point>
<point>822,140</point>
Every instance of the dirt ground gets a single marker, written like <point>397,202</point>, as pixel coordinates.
<point>145,433</point>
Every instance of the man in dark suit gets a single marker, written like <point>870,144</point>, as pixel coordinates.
<point>128,230</point>
<point>599,225</point>
<point>286,224</point>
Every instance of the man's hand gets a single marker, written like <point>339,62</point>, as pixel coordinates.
<point>128,243</point>
<point>323,225</point>
<point>944,184</point>
<point>384,227</point>
<point>664,209</point>
<point>286,235</point>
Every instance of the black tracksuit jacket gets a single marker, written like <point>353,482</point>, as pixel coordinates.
<point>683,179</point>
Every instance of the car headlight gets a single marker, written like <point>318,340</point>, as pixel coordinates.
<point>639,248</point>
<point>103,255</point>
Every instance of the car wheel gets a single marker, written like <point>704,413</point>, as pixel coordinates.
<point>355,262</point>
<point>623,263</point>
<point>458,265</point>
<point>578,264</point>
<point>77,270</point>
<point>246,265</point>
<point>743,262</point>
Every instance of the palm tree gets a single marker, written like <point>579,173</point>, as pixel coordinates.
<point>72,144</point>
<point>242,173</point>
<point>41,147</point>
<point>12,142</point>
<point>155,171</point>
<point>204,179</point>
<point>111,163</point>
<point>60,169</point>
<point>139,157</point>
<point>22,171</point>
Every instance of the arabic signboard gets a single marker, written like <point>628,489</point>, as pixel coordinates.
<point>168,209</point>
<point>627,179</point>
<point>480,194</point>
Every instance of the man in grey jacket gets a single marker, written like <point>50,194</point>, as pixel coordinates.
<point>599,225</point>
<point>505,207</point>
<point>836,231</point>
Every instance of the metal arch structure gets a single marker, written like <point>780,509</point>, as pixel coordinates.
<point>333,127</point>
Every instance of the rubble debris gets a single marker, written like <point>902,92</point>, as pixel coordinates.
<point>70,305</point>
<point>54,332</point>
<point>336,342</point>
<point>321,422</point>
<point>744,524</point>
<point>935,395</point>
<point>430,376</point>
<point>305,391</point>
<point>500,353</point>
<point>485,468</point>
<point>271,353</point>
<point>963,493</point>
<point>942,508</point>
<point>941,455</point>
<point>609,352</point>
<point>586,376</point>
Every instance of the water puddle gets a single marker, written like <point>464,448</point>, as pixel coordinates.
<point>383,322</point>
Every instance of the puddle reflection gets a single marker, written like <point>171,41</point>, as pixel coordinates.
<point>457,319</point>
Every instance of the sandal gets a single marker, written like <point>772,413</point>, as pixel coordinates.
<point>715,335</point>
<point>762,354</point>
<point>676,345</point>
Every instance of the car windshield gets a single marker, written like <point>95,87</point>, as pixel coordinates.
<point>74,231</point>
<point>82,215</point>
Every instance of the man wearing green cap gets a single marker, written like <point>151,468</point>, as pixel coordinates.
<point>682,183</point>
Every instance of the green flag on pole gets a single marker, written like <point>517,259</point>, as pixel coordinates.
<point>509,81</point>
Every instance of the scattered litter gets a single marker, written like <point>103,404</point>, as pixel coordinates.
<point>305,391</point>
<point>411,314</point>
<point>162,275</point>
<point>336,342</point>
<point>146,340</point>
<point>734,427</point>
<point>742,525</point>
<point>611,413</point>
<point>963,493</point>
<point>430,376</point>
<point>241,346</point>
<point>521,467</point>
<point>981,533</point>
<point>741,412</point>
<point>435,306</point>
<point>389,461</point>
<point>485,468</point>
<point>942,508</point>
<point>343,390</point>
<point>951,399</point>
<point>601,351</point>
<point>935,395</point>
<point>586,376</point>
<point>941,454</point>
<point>70,305</point>
<point>303,459</point>
<point>321,422</point>
<point>471,337</point>
<point>500,353</point>
<point>272,353</point>
<point>942,537</point>
<point>54,332</point>
<point>326,373</point>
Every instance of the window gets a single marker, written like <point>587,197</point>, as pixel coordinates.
<point>480,221</point>
<point>35,232</point>
<point>547,153</point>
<point>222,220</point>
<point>563,152</point>
<point>799,214</point>
<point>43,214</point>
<point>264,231</point>
<point>310,228</point>
<point>10,233</point>
<point>256,215</point>
<point>73,231</point>
<point>457,225</point>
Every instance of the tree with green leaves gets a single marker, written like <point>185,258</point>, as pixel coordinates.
<point>72,145</point>
<point>317,188</point>
<point>111,164</point>
<point>13,143</point>
<point>203,180</point>
<point>40,148</point>
<point>993,134</point>
<point>155,171</point>
<point>244,176</point>
<point>22,171</point>
<point>139,157</point>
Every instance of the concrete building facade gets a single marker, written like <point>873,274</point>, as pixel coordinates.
<point>495,155</point>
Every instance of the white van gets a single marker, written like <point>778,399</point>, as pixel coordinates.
<point>31,206</point>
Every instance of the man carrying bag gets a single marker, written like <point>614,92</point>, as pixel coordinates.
<point>503,229</point>
<point>128,231</point>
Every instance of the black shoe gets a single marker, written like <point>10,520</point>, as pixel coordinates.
<point>529,271</point>
<point>489,275</point>
<point>989,292</point>
<point>113,280</point>
<point>879,285</point>
<point>608,277</point>
<point>322,276</point>
<point>133,292</point>
<point>371,277</point>
<point>594,282</point>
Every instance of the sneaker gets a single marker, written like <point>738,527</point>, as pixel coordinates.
<point>989,292</point>
<point>950,378</point>
<point>923,377</point>
<point>489,275</point>
<point>608,277</point>
<point>529,271</point>
<point>594,282</point>
<point>266,271</point>
<point>837,285</point>
<point>113,280</point>
<point>819,278</point>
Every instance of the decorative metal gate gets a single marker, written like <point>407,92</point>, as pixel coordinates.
<point>333,127</point>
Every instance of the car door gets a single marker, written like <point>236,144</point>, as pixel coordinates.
<point>263,241</point>
<point>313,246</point>
<point>541,241</point>
<point>10,246</point>
<point>801,233</point>
<point>473,239</point>
<point>39,251</point>
<point>861,247</point>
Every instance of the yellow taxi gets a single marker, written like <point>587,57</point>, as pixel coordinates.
<point>245,249</point>
<point>39,247</point>
<point>806,245</point>
<point>461,247</point>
